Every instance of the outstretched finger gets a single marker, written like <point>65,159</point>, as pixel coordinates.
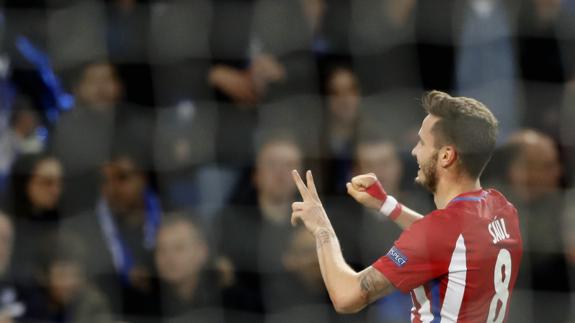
<point>300,185</point>
<point>311,184</point>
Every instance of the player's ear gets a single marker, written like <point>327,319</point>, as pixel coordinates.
<point>447,156</point>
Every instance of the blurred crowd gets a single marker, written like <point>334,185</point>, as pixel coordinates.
<point>146,148</point>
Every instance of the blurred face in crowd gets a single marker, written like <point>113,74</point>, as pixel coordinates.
<point>343,96</point>
<point>180,253</point>
<point>536,170</point>
<point>427,154</point>
<point>99,87</point>
<point>65,280</point>
<point>6,238</point>
<point>301,258</point>
<point>274,164</point>
<point>382,159</point>
<point>45,185</point>
<point>124,185</point>
<point>547,10</point>
<point>25,123</point>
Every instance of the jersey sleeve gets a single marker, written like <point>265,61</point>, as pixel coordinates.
<point>422,252</point>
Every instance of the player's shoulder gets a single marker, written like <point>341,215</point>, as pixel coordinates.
<point>496,195</point>
<point>472,199</point>
<point>471,204</point>
<point>468,204</point>
<point>440,218</point>
<point>499,201</point>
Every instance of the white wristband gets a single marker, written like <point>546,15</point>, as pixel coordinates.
<point>388,206</point>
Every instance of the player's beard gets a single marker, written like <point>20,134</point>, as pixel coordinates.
<point>429,170</point>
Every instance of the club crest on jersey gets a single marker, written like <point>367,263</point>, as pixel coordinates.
<point>397,256</point>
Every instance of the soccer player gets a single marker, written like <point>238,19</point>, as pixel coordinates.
<point>460,262</point>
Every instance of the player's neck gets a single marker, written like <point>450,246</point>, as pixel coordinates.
<point>447,189</point>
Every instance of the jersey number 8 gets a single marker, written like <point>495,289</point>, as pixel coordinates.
<point>501,278</point>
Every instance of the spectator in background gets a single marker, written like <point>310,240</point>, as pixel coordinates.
<point>11,305</point>
<point>390,62</point>
<point>64,295</point>
<point>98,92</point>
<point>20,138</point>
<point>179,48</point>
<point>127,34</point>
<point>535,168</point>
<point>98,86</point>
<point>293,43</point>
<point>254,232</point>
<point>271,57</point>
<point>229,77</point>
<point>341,128</point>
<point>278,61</point>
<point>34,201</point>
<point>533,183</point>
<point>230,42</point>
<point>300,295</point>
<point>30,69</point>
<point>189,288</point>
<point>84,137</point>
<point>546,45</point>
<point>120,235</point>
<point>485,64</point>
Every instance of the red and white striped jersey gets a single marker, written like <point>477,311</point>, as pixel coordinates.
<point>460,263</point>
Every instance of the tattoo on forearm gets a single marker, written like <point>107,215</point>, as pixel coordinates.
<point>367,284</point>
<point>323,237</point>
<point>373,285</point>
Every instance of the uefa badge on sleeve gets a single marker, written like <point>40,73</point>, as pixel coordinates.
<point>397,256</point>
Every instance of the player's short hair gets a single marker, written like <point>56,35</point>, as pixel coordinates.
<point>466,124</point>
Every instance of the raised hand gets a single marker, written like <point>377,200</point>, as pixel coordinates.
<point>310,211</point>
<point>367,190</point>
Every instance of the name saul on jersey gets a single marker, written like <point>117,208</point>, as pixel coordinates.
<point>498,230</point>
